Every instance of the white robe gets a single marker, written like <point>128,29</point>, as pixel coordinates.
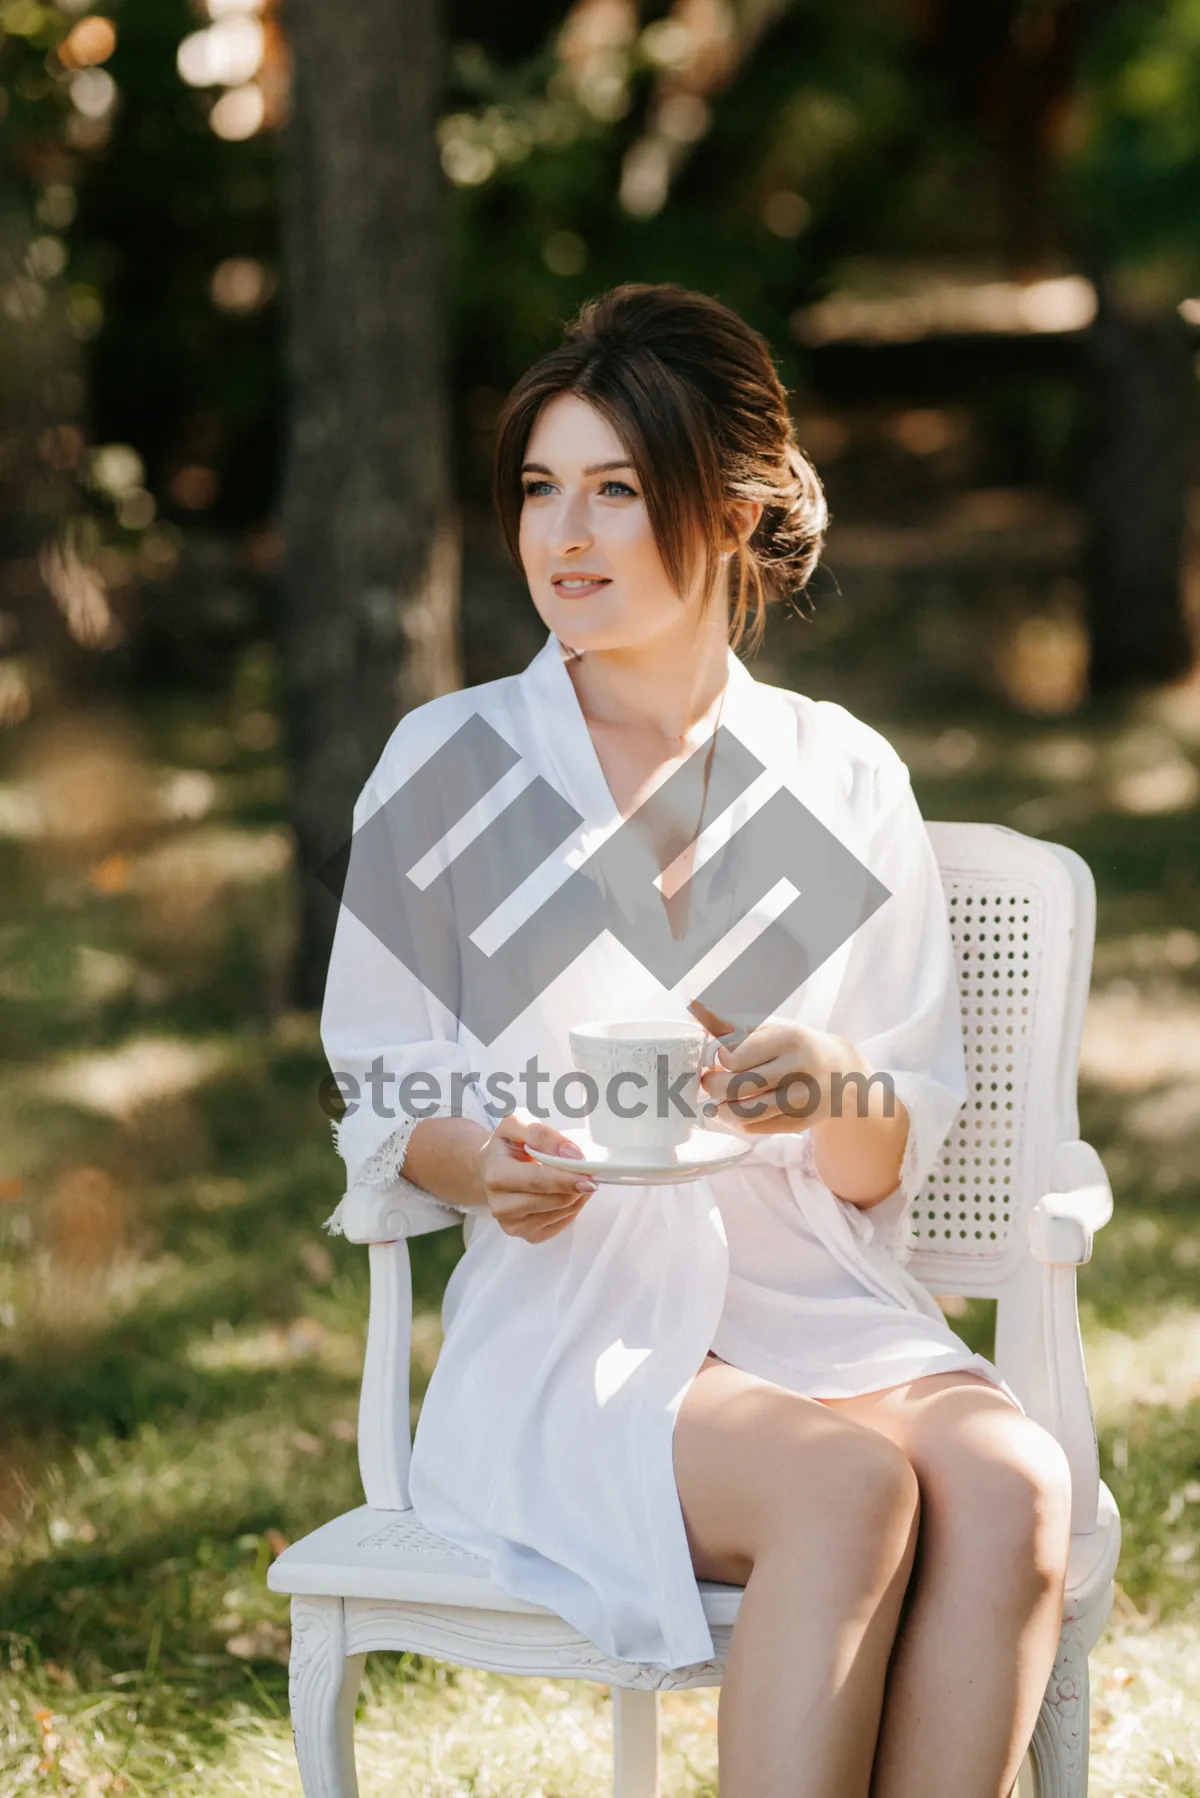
<point>545,1438</point>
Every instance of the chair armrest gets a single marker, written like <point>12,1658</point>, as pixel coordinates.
<point>392,1213</point>
<point>1064,1221</point>
<point>1061,1228</point>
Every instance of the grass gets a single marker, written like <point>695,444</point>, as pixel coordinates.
<point>180,1343</point>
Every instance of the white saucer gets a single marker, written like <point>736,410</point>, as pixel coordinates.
<point>704,1152</point>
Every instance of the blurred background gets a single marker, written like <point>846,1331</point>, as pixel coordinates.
<point>266,275</point>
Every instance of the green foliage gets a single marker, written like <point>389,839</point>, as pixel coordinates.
<point>836,135</point>
<point>1133,162</point>
<point>824,109</point>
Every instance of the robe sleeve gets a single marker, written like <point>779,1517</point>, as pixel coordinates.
<point>899,1001</point>
<point>381,1023</point>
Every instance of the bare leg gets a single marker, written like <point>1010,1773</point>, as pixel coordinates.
<point>978,1636</point>
<point>797,1505</point>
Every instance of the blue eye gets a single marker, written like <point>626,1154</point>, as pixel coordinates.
<point>530,488</point>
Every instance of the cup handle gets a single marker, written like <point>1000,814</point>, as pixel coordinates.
<point>708,1054</point>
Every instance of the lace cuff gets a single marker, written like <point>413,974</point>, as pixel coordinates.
<point>385,1165</point>
<point>381,1173</point>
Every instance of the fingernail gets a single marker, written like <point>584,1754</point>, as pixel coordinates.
<point>572,1149</point>
<point>585,1186</point>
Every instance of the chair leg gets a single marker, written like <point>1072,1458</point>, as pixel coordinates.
<point>635,1743</point>
<point>323,1683</point>
<point>1059,1749</point>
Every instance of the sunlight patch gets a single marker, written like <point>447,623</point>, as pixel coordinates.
<point>1145,1721</point>
<point>1132,1042</point>
<point>1159,1366</point>
<point>613,1368</point>
<point>117,1082</point>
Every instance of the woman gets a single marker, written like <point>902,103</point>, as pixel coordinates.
<point>732,1378</point>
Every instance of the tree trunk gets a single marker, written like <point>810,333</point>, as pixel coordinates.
<point>1141,383</point>
<point>370,590</point>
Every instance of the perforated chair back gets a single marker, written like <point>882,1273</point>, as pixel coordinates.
<point>1022,913</point>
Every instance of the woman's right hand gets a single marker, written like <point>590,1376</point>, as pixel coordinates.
<point>525,1198</point>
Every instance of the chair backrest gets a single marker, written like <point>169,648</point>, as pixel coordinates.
<point>1022,914</point>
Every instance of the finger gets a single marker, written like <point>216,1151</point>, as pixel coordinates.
<point>521,1219</point>
<point>746,1110</point>
<point>769,1122</point>
<point>795,1095</point>
<point>723,1034</point>
<point>712,1020</point>
<point>520,1129</point>
<point>744,1083</point>
<point>542,1232</point>
<point>764,1078</point>
<point>520,1200</point>
<point>534,1178</point>
<point>759,1047</point>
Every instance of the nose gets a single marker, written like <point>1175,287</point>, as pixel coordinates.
<point>570,529</point>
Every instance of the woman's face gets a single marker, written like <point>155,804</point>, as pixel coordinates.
<point>584,515</point>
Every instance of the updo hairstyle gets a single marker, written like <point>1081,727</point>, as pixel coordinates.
<point>692,391</point>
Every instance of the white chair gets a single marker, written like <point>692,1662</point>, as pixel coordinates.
<point>1009,1213</point>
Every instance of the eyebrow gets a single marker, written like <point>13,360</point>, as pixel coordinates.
<point>595,467</point>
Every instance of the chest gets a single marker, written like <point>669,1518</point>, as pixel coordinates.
<point>634,768</point>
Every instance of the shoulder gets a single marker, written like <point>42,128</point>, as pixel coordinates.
<point>421,732</point>
<point>860,755</point>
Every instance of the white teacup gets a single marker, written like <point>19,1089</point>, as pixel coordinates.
<point>629,1054</point>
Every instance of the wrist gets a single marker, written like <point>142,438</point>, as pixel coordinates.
<point>445,1159</point>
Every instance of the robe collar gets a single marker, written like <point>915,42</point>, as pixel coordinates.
<point>759,716</point>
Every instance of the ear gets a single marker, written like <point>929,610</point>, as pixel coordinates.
<point>744,515</point>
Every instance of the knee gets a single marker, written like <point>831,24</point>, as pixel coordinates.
<point>856,1490</point>
<point>1030,1509</point>
<point>877,1484</point>
<point>1012,1500</point>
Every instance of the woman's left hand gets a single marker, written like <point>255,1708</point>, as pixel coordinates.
<point>780,1077</point>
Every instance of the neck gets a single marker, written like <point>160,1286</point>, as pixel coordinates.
<point>670,685</point>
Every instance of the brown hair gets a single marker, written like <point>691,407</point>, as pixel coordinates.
<point>693,393</point>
